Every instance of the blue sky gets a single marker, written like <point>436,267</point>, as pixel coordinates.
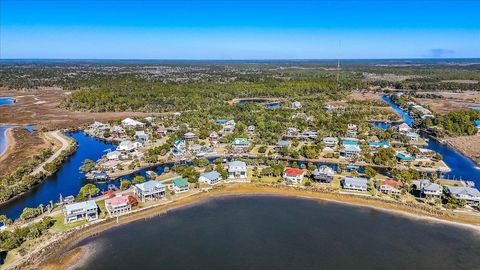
<point>152,29</point>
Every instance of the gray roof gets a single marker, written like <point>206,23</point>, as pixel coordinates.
<point>427,185</point>
<point>81,206</point>
<point>149,185</point>
<point>356,181</point>
<point>213,175</point>
<point>237,163</point>
<point>323,170</point>
<point>467,191</point>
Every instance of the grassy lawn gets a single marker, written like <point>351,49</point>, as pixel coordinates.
<point>264,179</point>
<point>60,225</point>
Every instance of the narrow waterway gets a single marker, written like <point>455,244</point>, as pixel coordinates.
<point>67,181</point>
<point>461,166</point>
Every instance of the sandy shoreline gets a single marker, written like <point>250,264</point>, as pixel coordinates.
<point>10,141</point>
<point>469,146</point>
<point>56,258</point>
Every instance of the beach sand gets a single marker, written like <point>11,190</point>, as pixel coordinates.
<point>58,259</point>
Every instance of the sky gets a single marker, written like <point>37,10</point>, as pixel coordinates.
<point>229,30</point>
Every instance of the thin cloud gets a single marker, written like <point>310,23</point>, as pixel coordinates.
<point>440,53</point>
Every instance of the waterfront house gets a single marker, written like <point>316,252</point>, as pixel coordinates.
<point>210,178</point>
<point>110,165</point>
<point>240,144</point>
<point>427,188</point>
<point>237,170</point>
<point>296,105</point>
<point>118,205</point>
<point>141,136</point>
<point>355,183</point>
<point>128,146</point>
<point>100,176</point>
<point>178,148</point>
<point>189,137</point>
<point>404,128</point>
<point>180,185</point>
<point>404,157</point>
<point>424,153</point>
<point>293,175</point>
<point>284,144</point>
<point>251,129</point>
<point>113,155</point>
<point>390,186</point>
<point>413,136</point>
<point>149,190</point>
<point>117,131</point>
<point>323,174</point>
<point>130,123</point>
<point>330,141</point>
<point>87,210</point>
<point>468,194</point>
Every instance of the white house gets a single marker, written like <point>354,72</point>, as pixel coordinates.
<point>296,105</point>
<point>180,185</point>
<point>293,175</point>
<point>118,205</point>
<point>470,195</point>
<point>87,210</point>
<point>130,123</point>
<point>404,128</point>
<point>251,129</point>
<point>229,126</point>
<point>141,136</point>
<point>428,188</point>
<point>351,151</point>
<point>189,136</point>
<point>390,186</point>
<point>330,141</point>
<point>128,146</point>
<point>210,178</point>
<point>149,190</point>
<point>323,174</point>
<point>355,183</point>
<point>213,137</point>
<point>237,170</point>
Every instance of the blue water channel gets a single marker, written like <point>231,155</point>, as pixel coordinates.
<point>461,166</point>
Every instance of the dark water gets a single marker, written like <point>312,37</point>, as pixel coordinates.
<point>67,181</point>
<point>263,232</point>
<point>461,166</point>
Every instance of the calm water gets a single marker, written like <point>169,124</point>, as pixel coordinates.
<point>67,181</point>
<point>461,166</point>
<point>264,232</point>
<point>4,101</point>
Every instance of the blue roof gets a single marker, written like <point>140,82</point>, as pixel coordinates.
<point>272,105</point>
<point>477,123</point>
<point>384,143</point>
<point>403,156</point>
<point>213,175</point>
<point>412,134</point>
<point>221,121</point>
<point>149,185</point>
<point>348,142</point>
<point>284,143</point>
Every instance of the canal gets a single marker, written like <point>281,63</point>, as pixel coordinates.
<point>461,166</point>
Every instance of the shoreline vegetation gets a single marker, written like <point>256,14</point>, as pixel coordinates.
<point>37,163</point>
<point>10,142</point>
<point>53,255</point>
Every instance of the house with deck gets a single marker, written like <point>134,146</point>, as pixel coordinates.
<point>130,123</point>
<point>141,136</point>
<point>374,146</point>
<point>390,186</point>
<point>118,205</point>
<point>149,190</point>
<point>352,130</point>
<point>350,150</point>
<point>180,185</point>
<point>428,188</point>
<point>128,146</point>
<point>178,148</point>
<point>189,137</point>
<point>213,137</point>
<point>229,126</point>
<point>283,144</point>
<point>210,178</point>
<point>469,194</point>
<point>330,141</point>
<point>240,144</point>
<point>87,210</point>
<point>293,175</point>
<point>355,183</point>
<point>404,128</point>
<point>323,174</point>
<point>237,170</point>
<point>413,136</point>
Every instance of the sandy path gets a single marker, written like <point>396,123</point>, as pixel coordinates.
<point>60,138</point>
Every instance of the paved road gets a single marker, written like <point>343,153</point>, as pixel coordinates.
<point>56,135</point>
